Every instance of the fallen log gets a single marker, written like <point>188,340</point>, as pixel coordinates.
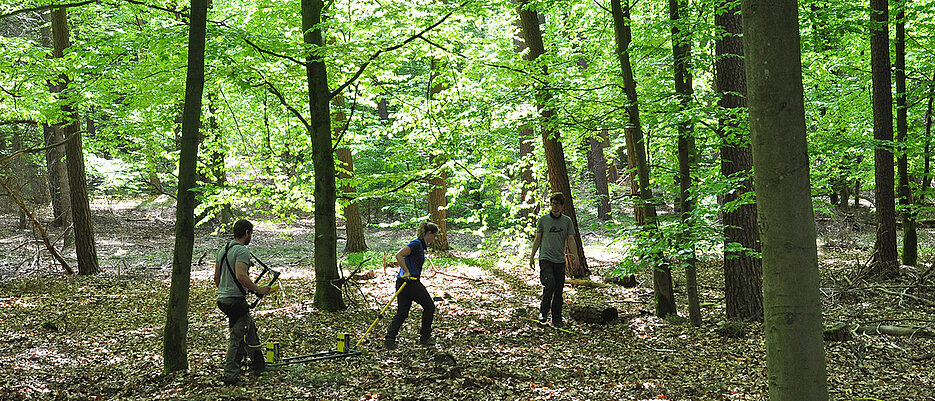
<point>593,314</point>
<point>844,332</point>
<point>584,283</point>
<point>627,280</point>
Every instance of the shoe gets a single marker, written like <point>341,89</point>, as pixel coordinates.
<point>231,381</point>
<point>258,366</point>
<point>427,341</point>
<point>389,343</point>
<point>542,318</point>
<point>558,324</point>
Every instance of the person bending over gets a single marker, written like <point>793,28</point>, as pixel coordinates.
<point>411,258</point>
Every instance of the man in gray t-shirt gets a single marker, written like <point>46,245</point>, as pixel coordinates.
<point>231,276</point>
<point>553,233</point>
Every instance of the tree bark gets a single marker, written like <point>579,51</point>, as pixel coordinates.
<point>353,226</point>
<point>19,175</point>
<point>927,158</point>
<point>910,237</point>
<point>551,138</point>
<point>529,186</point>
<point>681,56</point>
<point>438,183</point>
<point>54,157</point>
<point>644,209</point>
<point>795,360</point>
<point>327,296</point>
<point>174,352</point>
<point>884,262</point>
<point>742,267</point>
<point>599,169</point>
<point>74,157</point>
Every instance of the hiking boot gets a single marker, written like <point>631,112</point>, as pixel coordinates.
<point>258,365</point>
<point>231,381</point>
<point>542,318</point>
<point>389,343</point>
<point>427,341</point>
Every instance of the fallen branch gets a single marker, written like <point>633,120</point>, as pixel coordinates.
<point>844,332</point>
<point>920,299</point>
<point>38,227</point>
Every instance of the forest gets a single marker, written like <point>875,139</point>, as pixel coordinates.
<point>749,184</point>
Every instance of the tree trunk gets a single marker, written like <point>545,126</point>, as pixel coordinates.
<point>910,238</point>
<point>644,209</point>
<point>612,174</point>
<point>884,262</point>
<point>175,354</point>
<point>438,183</point>
<point>327,296</point>
<point>217,171</point>
<point>551,139</point>
<point>742,267</point>
<point>353,226</point>
<point>926,164</point>
<point>74,157</point>
<point>19,175</point>
<point>795,360</point>
<point>54,157</point>
<point>599,169</point>
<point>528,190</point>
<point>681,56</point>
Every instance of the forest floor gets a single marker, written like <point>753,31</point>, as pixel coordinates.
<point>100,337</point>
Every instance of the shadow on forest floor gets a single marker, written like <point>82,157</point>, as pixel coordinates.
<point>100,337</point>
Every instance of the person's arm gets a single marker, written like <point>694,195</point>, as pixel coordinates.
<point>245,280</point>
<point>401,259</point>
<point>570,245</point>
<point>217,274</point>
<point>535,248</point>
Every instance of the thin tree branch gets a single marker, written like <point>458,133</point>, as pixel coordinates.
<point>282,56</point>
<point>373,57</point>
<point>44,8</point>
<point>38,227</point>
<point>282,100</point>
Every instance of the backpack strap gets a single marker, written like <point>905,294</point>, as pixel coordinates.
<point>231,270</point>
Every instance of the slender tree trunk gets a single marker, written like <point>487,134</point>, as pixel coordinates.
<point>551,138</point>
<point>353,226</point>
<point>327,295</point>
<point>599,169</point>
<point>910,238</point>
<point>174,352</point>
<point>885,257</point>
<point>529,187</point>
<point>438,183</point>
<point>795,357</point>
<point>681,56</point>
<point>74,157</point>
<point>743,269</point>
<point>54,157</point>
<point>19,175</point>
<point>636,150</point>
<point>612,174</point>
<point>926,157</point>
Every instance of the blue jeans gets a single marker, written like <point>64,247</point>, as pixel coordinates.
<point>552,276</point>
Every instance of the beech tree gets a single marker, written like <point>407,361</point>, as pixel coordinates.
<point>884,250</point>
<point>795,357</point>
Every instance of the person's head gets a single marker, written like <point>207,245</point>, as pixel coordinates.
<point>243,230</point>
<point>557,202</point>
<point>427,231</point>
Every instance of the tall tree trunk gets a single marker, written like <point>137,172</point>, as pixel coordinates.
<point>438,183</point>
<point>884,261</point>
<point>681,56</point>
<point>910,238</point>
<point>795,357</point>
<point>74,158</point>
<point>599,169</point>
<point>636,151</point>
<point>743,269</point>
<point>174,352</point>
<point>327,296</point>
<point>55,157</point>
<point>353,226</point>
<point>551,138</point>
<point>19,174</point>
<point>926,157</point>
<point>529,184</point>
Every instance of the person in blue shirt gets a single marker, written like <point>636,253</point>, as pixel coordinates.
<point>411,258</point>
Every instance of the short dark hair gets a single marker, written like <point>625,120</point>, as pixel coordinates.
<point>557,197</point>
<point>241,227</point>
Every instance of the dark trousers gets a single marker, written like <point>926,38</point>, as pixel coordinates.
<point>243,339</point>
<point>552,276</point>
<point>414,292</point>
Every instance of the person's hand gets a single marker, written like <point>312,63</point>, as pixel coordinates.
<point>263,290</point>
<point>406,276</point>
<point>532,262</point>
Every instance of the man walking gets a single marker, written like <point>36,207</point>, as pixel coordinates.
<point>231,276</point>
<point>553,233</point>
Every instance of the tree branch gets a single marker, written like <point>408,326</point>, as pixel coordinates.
<point>282,56</point>
<point>44,8</point>
<point>373,57</point>
<point>282,100</point>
